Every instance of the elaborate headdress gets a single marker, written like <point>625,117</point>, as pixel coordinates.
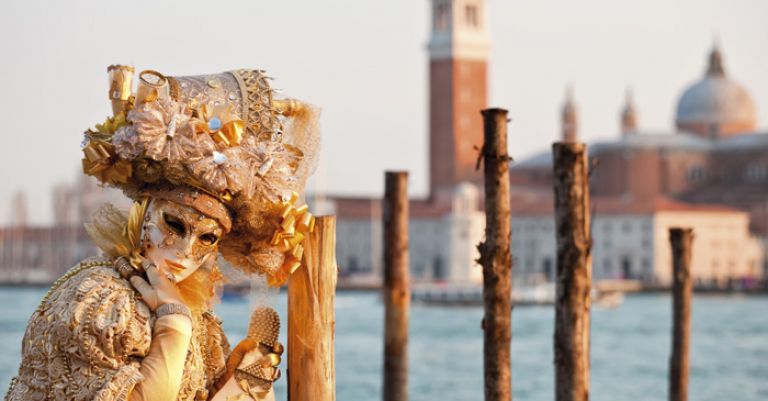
<point>210,140</point>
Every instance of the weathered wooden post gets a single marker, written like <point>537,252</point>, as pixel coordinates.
<point>311,317</point>
<point>574,272</point>
<point>397,293</point>
<point>496,259</point>
<point>681,240</point>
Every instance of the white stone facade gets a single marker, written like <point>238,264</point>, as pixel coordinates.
<point>636,246</point>
<point>631,246</point>
<point>442,248</point>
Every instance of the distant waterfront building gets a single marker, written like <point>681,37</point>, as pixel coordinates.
<point>19,216</point>
<point>631,241</point>
<point>443,238</point>
<point>40,254</point>
<point>710,174</point>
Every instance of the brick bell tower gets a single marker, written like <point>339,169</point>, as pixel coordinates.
<point>458,71</point>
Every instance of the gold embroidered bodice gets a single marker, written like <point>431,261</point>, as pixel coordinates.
<point>87,339</point>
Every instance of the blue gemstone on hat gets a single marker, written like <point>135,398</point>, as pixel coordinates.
<point>214,124</point>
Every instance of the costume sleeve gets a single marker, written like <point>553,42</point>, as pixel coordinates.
<point>104,332</point>
<point>112,331</point>
<point>163,366</point>
<point>217,345</point>
<point>109,326</point>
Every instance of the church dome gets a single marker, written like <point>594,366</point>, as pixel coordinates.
<point>716,106</point>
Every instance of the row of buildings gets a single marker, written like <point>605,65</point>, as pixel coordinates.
<point>40,254</point>
<point>709,172</point>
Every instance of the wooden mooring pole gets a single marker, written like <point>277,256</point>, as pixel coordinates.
<point>574,272</point>
<point>397,293</point>
<point>311,317</point>
<point>496,259</point>
<point>681,240</point>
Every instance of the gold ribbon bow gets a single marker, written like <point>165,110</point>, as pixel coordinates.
<point>111,124</point>
<point>220,123</point>
<point>101,162</point>
<point>296,225</point>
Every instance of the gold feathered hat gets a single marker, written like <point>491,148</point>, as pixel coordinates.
<point>212,140</point>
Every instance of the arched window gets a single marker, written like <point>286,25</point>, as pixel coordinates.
<point>756,172</point>
<point>546,268</point>
<point>442,16</point>
<point>470,13</point>
<point>439,270</point>
<point>626,268</point>
<point>696,173</point>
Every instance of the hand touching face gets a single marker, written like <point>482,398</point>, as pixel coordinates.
<point>178,238</point>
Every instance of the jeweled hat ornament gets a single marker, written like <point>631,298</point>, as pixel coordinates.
<point>207,141</point>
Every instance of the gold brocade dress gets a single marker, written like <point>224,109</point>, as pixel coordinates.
<point>86,341</point>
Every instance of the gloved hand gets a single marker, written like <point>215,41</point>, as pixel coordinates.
<point>256,358</point>
<point>159,290</point>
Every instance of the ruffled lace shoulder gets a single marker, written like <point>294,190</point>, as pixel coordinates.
<point>86,339</point>
<point>105,323</point>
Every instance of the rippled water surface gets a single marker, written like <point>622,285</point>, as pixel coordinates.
<point>630,347</point>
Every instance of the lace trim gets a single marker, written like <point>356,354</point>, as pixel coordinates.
<point>119,387</point>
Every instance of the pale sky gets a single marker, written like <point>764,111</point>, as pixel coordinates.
<point>365,64</point>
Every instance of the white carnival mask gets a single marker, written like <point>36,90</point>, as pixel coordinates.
<point>179,239</point>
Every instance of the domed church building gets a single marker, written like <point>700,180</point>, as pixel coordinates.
<point>711,174</point>
<point>716,107</point>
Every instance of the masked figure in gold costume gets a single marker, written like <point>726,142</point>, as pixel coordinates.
<point>214,165</point>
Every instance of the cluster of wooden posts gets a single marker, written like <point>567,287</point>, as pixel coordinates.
<point>311,290</point>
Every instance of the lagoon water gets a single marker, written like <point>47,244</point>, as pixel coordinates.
<point>630,347</point>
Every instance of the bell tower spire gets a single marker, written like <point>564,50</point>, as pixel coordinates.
<point>458,53</point>
<point>569,118</point>
<point>628,115</point>
<point>715,67</point>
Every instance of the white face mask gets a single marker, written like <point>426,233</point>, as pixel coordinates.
<point>179,239</point>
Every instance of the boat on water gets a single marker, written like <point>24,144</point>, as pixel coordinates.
<point>607,299</point>
<point>472,295</point>
<point>449,294</point>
